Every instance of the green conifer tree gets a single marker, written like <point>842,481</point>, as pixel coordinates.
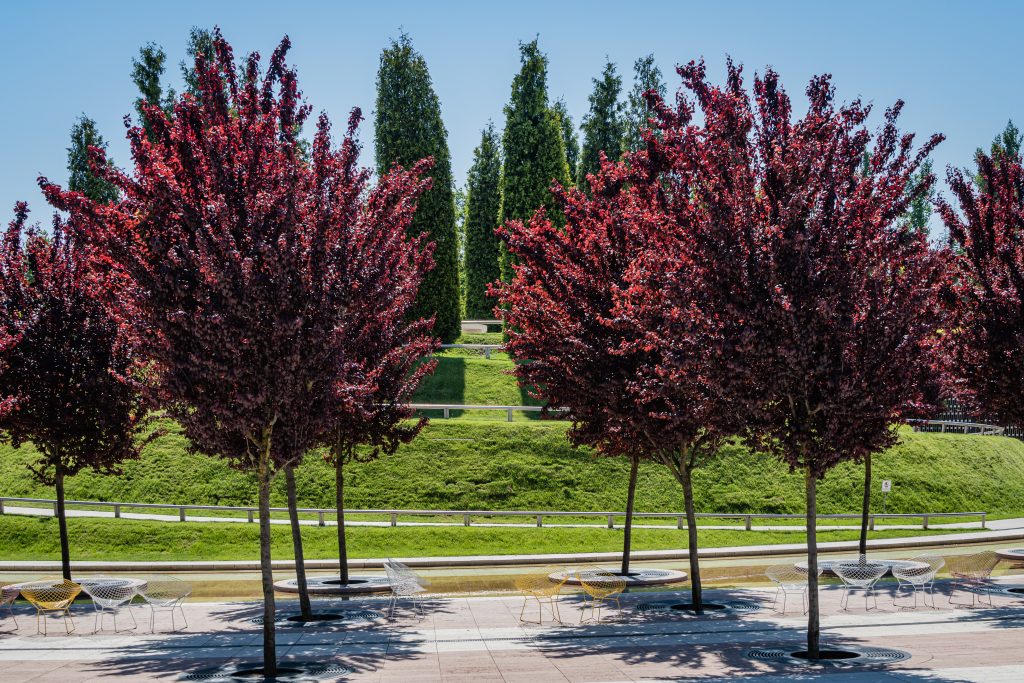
<point>147,72</point>
<point>200,41</point>
<point>646,76</point>
<point>603,129</point>
<point>409,128</point>
<point>920,212</point>
<point>569,139</point>
<point>534,149</point>
<point>80,177</point>
<point>483,248</point>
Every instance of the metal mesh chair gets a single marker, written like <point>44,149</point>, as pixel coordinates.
<point>405,584</point>
<point>8,594</point>
<point>165,594</point>
<point>918,578</point>
<point>861,575</point>
<point>51,597</point>
<point>971,573</point>
<point>602,587</point>
<point>110,596</point>
<point>543,589</point>
<point>789,580</point>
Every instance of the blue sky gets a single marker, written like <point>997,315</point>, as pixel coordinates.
<point>957,64</point>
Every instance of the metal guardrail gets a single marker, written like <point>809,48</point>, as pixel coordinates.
<point>446,408</point>
<point>467,515</point>
<point>959,427</point>
<point>486,348</point>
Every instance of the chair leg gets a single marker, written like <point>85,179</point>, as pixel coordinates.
<point>10,613</point>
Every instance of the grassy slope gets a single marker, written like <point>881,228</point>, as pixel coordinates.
<point>461,464</point>
<point>484,463</point>
<point>23,538</point>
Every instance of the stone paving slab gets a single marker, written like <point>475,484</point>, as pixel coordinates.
<point>481,639</point>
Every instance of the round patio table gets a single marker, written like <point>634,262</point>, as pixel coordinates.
<point>1011,554</point>
<point>89,581</point>
<point>827,565</point>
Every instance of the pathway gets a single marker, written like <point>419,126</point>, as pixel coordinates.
<point>481,640</point>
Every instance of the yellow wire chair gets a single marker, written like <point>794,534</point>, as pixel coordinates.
<point>543,589</point>
<point>51,597</point>
<point>602,587</point>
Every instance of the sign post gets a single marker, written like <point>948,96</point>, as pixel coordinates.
<point>886,487</point>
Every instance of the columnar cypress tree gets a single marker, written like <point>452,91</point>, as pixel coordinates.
<point>603,129</point>
<point>80,177</point>
<point>409,128</point>
<point>569,139</point>
<point>533,145</point>
<point>646,77</point>
<point>483,248</point>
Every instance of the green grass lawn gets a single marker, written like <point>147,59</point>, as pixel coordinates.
<point>462,464</point>
<point>27,538</point>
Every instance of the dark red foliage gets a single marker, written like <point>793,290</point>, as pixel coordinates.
<point>67,382</point>
<point>586,314</point>
<point>828,310</point>
<point>251,271</point>
<point>988,236</point>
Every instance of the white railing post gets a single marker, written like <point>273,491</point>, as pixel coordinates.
<point>394,519</point>
<point>540,520</point>
<point>611,521</point>
<point>747,522</point>
<point>320,518</point>
<point>446,414</point>
<point>181,513</point>
<point>982,518</point>
<point>117,512</point>
<point>924,521</point>
<point>249,516</point>
<point>509,414</point>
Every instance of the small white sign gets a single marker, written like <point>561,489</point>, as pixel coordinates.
<point>886,485</point>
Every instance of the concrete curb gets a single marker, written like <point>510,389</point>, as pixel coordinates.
<point>936,541</point>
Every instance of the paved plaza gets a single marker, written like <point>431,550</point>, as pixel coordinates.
<point>481,639</point>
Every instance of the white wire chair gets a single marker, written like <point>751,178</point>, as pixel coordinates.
<point>405,584</point>
<point>789,580</point>
<point>861,575</point>
<point>918,578</point>
<point>51,597</point>
<point>8,594</point>
<point>110,596</point>
<point>971,573</point>
<point>165,594</point>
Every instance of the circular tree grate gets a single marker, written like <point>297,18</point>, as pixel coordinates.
<point>831,656</point>
<point>324,618</point>
<point>711,609</point>
<point>292,672</point>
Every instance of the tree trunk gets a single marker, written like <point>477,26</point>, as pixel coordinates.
<point>696,592</point>
<point>339,501</point>
<point>628,529</point>
<point>62,524</point>
<point>300,561</point>
<point>266,571</point>
<point>813,625</point>
<point>866,510</point>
